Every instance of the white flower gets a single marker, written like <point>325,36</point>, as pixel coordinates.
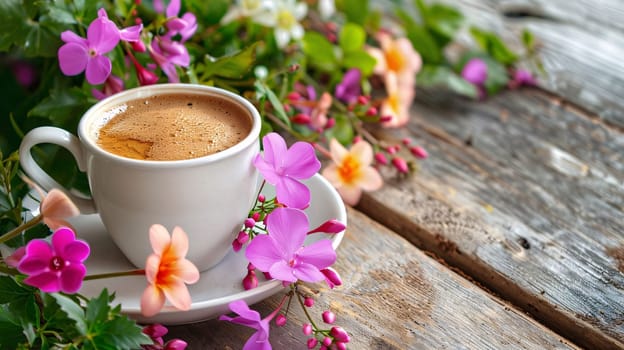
<point>326,8</point>
<point>257,10</point>
<point>284,17</point>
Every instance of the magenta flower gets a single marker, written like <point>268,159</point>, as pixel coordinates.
<point>169,54</point>
<point>79,54</point>
<point>283,168</point>
<point>349,88</point>
<point>185,25</point>
<point>251,318</point>
<point>112,85</point>
<point>57,266</point>
<point>282,254</point>
<point>475,71</point>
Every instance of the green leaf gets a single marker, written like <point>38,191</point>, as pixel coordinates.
<point>497,77</point>
<point>352,37</point>
<point>359,59</point>
<point>264,92</point>
<point>209,15</point>
<point>528,40</point>
<point>342,130</point>
<point>233,66</point>
<point>356,11</point>
<point>443,76</point>
<point>444,22</point>
<point>319,51</point>
<point>10,329</point>
<point>494,46</point>
<point>62,106</point>
<point>73,311</point>
<point>422,41</point>
<point>11,291</point>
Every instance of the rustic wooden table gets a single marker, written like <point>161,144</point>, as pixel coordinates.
<point>511,235</point>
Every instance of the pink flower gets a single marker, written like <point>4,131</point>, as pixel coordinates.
<point>475,71</point>
<point>57,266</point>
<point>332,278</point>
<point>281,252</point>
<point>349,88</point>
<point>283,168</point>
<point>167,270</point>
<point>79,54</point>
<point>169,54</point>
<point>251,318</point>
<point>112,85</point>
<point>185,26</point>
<point>395,108</point>
<point>56,207</point>
<point>351,171</point>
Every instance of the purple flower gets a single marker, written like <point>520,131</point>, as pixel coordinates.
<point>57,266</point>
<point>349,88</point>
<point>168,54</point>
<point>251,318</point>
<point>523,77</point>
<point>112,85</point>
<point>475,71</point>
<point>283,168</point>
<point>185,26</point>
<point>281,252</point>
<point>79,54</point>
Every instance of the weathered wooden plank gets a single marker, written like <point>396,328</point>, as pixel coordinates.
<point>582,43</point>
<point>526,195</point>
<point>393,297</point>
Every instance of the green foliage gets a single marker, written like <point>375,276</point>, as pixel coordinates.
<point>494,46</point>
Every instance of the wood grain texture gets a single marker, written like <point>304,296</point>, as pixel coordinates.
<point>581,42</point>
<point>526,195</point>
<point>393,297</point>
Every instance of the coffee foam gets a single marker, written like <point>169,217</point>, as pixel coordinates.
<point>175,127</point>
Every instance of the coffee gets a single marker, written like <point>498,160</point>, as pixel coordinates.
<point>174,127</point>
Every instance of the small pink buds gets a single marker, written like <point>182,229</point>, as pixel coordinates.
<point>312,343</point>
<point>250,223</point>
<point>138,46</point>
<point>301,118</point>
<point>330,226</point>
<point>331,277</point>
<point>256,216</point>
<point>330,123</point>
<point>371,112</point>
<point>293,96</point>
<point>362,100</point>
<point>329,317</point>
<point>381,158</point>
<point>307,329</point>
<point>280,320</point>
<point>236,245</point>
<point>243,237</point>
<point>339,334</point>
<point>406,141</point>
<point>400,164</point>
<point>261,198</point>
<point>419,152</point>
<point>308,302</point>
<point>250,281</point>
<point>175,344</point>
<point>385,118</point>
<point>327,341</point>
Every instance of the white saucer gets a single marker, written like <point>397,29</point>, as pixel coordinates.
<point>216,287</point>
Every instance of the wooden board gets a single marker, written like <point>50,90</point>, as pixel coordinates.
<point>394,297</point>
<point>526,195</point>
<point>582,43</point>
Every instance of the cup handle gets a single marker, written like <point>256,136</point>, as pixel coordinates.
<point>60,137</point>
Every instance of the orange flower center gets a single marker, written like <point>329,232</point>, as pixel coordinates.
<point>166,268</point>
<point>393,102</point>
<point>349,169</point>
<point>394,59</point>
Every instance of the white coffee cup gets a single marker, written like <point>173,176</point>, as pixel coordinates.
<point>208,197</point>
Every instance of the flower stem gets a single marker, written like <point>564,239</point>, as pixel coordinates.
<point>19,229</point>
<point>305,310</point>
<point>115,274</point>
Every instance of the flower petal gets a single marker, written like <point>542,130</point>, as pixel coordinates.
<point>363,151</point>
<point>263,253</point>
<point>350,194</point>
<point>56,204</point>
<point>300,161</point>
<point>258,341</point>
<point>103,35</point>
<point>73,58</point>
<point>186,271</point>
<point>283,272</point>
<point>70,37</point>
<point>179,242</point>
<point>48,282</point>
<point>152,264</point>
<point>337,150</point>
<point>159,238</point>
<point>371,180</point>
<point>274,149</point>
<point>292,193</point>
<point>132,33</point>
<point>332,175</point>
<point>320,254</point>
<point>288,227</point>
<point>71,278</point>
<point>308,273</point>
<point>243,310</point>
<point>152,301</point>
<point>98,69</point>
<point>266,169</point>
<point>76,251</point>
<point>61,238</point>
<point>173,8</point>
<point>178,295</point>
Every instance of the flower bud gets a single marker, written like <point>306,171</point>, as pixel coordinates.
<point>419,152</point>
<point>385,118</point>
<point>327,341</point>
<point>340,334</point>
<point>331,277</point>
<point>381,158</point>
<point>301,118</point>
<point>400,164</point>
<point>330,226</point>
<point>293,96</point>
<point>138,46</point>
<point>236,245</point>
<point>250,281</point>
<point>371,112</point>
<point>307,329</point>
<point>308,301</point>
<point>280,320</point>
<point>261,198</point>
<point>250,267</point>
<point>242,237</point>
<point>330,123</point>
<point>175,344</point>
<point>155,330</point>
<point>250,223</point>
<point>362,99</point>
<point>329,317</point>
<point>255,216</point>
<point>267,275</point>
<point>357,139</point>
<point>406,141</point>
<point>312,342</point>
<point>340,346</point>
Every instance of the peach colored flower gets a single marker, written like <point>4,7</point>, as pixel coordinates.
<point>318,119</point>
<point>168,271</point>
<point>56,207</point>
<point>351,171</point>
<point>397,104</point>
